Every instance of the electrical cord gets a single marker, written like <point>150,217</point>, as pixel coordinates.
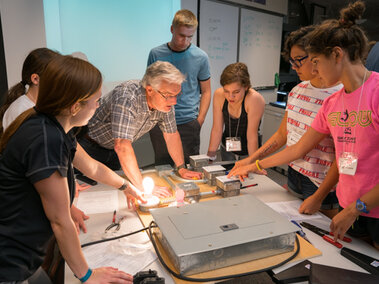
<point>179,276</point>
<point>115,238</point>
<point>154,225</point>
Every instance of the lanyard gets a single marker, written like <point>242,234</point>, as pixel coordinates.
<point>359,107</point>
<point>238,124</point>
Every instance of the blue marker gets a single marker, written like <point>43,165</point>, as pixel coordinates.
<point>301,232</point>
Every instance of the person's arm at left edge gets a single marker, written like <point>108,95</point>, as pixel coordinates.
<point>101,173</point>
<point>175,149</point>
<point>205,101</point>
<point>254,105</point>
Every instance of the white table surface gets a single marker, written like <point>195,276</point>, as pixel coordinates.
<point>267,191</point>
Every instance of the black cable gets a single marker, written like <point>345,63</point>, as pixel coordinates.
<point>115,238</point>
<point>220,277</point>
<point>154,225</point>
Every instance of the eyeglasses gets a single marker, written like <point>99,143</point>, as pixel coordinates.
<point>168,96</point>
<point>298,62</point>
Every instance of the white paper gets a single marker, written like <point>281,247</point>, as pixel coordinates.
<point>290,210</point>
<point>92,202</point>
<point>129,254</point>
<point>122,254</point>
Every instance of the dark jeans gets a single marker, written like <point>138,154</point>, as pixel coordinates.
<point>190,136</point>
<point>365,227</point>
<point>106,156</point>
<point>304,187</point>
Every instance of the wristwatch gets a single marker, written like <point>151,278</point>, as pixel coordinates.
<point>124,185</point>
<point>361,206</point>
<point>182,166</point>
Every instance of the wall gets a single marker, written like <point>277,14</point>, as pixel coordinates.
<point>275,6</point>
<point>107,33</point>
<point>219,29</point>
<point>23,30</point>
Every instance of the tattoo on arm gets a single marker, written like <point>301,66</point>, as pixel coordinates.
<point>268,150</point>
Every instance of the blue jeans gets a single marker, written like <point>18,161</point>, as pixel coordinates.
<point>303,187</point>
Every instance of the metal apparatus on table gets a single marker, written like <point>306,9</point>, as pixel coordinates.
<point>218,233</point>
<point>214,175</point>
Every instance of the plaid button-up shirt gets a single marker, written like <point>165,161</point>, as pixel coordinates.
<point>124,113</point>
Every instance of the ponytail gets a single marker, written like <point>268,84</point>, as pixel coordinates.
<point>34,63</point>
<point>10,96</point>
<point>343,33</point>
<point>350,14</point>
<point>14,126</point>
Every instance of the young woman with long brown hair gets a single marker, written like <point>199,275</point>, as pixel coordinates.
<point>37,185</point>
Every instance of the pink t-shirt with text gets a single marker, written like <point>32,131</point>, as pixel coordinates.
<point>354,128</point>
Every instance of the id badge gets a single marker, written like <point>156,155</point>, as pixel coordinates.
<point>233,144</point>
<point>348,163</point>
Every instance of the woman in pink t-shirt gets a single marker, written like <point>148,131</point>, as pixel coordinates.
<point>351,116</point>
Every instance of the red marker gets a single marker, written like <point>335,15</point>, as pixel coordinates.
<point>251,185</point>
<point>323,233</point>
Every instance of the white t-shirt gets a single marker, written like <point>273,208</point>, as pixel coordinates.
<point>20,105</point>
<point>304,101</point>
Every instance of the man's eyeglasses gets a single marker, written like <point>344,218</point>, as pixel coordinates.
<point>298,62</point>
<point>168,96</point>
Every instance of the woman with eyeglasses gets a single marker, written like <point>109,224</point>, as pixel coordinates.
<point>351,115</point>
<point>240,108</point>
<point>306,174</point>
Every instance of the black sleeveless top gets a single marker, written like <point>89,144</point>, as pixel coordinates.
<point>242,128</point>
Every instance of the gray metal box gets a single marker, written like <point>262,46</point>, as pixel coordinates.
<point>164,170</point>
<point>213,234</point>
<point>211,172</point>
<point>198,161</point>
<point>229,193</point>
<point>226,183</point>
<point>189,188</point>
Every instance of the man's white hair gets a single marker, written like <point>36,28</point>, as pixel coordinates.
<point>162,71</point>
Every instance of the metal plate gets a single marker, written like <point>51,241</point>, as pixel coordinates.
<point>192,233</point>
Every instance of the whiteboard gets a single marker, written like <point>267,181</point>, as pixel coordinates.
<point>260,43</point>
<point>218,36</point>
<point>219,39</point>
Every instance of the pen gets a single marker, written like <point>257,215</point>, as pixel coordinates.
<point>251,185</point>
<point>301,232</point>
